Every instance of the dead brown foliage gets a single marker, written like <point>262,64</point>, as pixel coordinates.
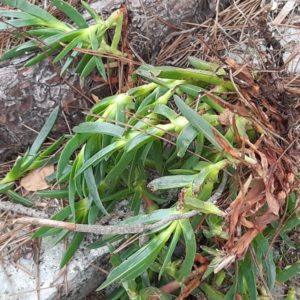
<point>249,32</point>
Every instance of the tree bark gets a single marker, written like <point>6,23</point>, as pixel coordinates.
<point>151,21</point>
<point>28,95</point>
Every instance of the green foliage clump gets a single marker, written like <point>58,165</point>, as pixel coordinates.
<point>167,134</point>
<point>167,129</point>
<point>50,36</point>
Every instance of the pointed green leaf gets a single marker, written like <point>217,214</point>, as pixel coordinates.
<point>100,67</point>
<point>15,14</point>
<point>291,223</point>
<point>144,71</point>
<point>5,187</point>
<point>120,166</point>
<point>36,11</point>
<point>199,179</point>
<point>102,154</point>
<point>171,182</point>
<point>44,32</point>
<point>100,127</point>
<point>165,111</point>
<point>93,190</point>
<point>63,37</point>
<point>171,249</point>
<point>204,65</point>
<point>74,143</point>
<point>136,201</point>
<point>51,232</point>
<point>71,12</point>
<point>67,49</point>
<point>204,207</point>
<point>45,153</point>
<point>19,50</point>
<point>53,194</point>
<point>289,272</point>
<point>88,68</point>
<point>93,214</point>
<point>118,31</point>
<point>74,245</point>
<point>155,151</point>
<point>191,75</point>
<point>107,101</point>
<point>19,199</point>
<point>140,139</point>
<point>70,59</point>
<point>185,138</point>
<point>44,132</point>
<point>60,216</point>
<point>72,186</point>
<point>198,122</point>
<point>82,63</point>
<point>140,261</point>
<point>247,270</point>
<point>192,90</point>
<point>15,23</point>
<point>153,217</point>
<point>92,12</point>
<point>16,171</point>
<point>210,292</point>
<point>261,249</point>
<point>62,234</point>
<point>190,248</point>
<point>38,58</point>
<point>104,241</point>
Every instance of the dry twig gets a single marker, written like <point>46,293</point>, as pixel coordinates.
<point>105,229</point>
<point>22,210</point>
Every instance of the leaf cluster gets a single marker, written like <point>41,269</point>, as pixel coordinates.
<point>164,135</point>
<point>49,36</point>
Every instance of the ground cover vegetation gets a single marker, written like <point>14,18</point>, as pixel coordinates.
<point>189,149</point>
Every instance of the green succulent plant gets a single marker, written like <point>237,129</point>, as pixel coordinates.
<point>164,135</point>
<point>50,36</point>
<point>123,138</point>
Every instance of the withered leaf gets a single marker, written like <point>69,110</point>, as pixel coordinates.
<point>35,180</point>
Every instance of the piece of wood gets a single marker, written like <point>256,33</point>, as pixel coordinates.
<point>27,96</point>
<point>288,7</point>
<point>16,208</point>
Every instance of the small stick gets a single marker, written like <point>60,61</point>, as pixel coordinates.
<point>22,210</point>
<point>119,229</point>
<point>219,191</point>
<point>105,229</point>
